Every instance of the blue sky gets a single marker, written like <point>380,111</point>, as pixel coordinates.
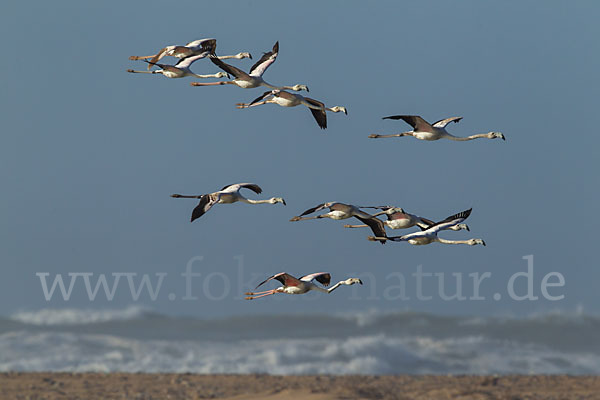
<point>90,154</point>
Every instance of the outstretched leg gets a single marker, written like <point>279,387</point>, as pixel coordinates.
<point>255,293</point>
<point>270,292</point>
<point>247,105</point>
<point>181,196</point>
<point>375,136</point>
<point>156,71</point>
<point>355,226</point>
<point>211,83</point>
<point>305,218</point>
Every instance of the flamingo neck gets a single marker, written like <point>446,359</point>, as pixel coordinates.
<point>462,139</point>
<point>250,201</point>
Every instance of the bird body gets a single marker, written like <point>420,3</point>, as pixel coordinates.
<point>292,285</point>
<point>423,130</point>
<point>286,99</point>
<point>179,70</point>
<point>227,195</point>
<point>397,218</point>
<point>252,79</point>
<point>339,211</point>
<point>200,47</point>
<point>430,234</point>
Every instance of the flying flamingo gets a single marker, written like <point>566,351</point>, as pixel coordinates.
<point>179,70</point>
<point>197,47</point>
<point>429,235</point>
<point>340,211</point>
<point>254,78</point>
<point>229,194</point>
<point>303,285</point>
<point>425,131</point>
<point>397,218</point>
<point>286,99</point>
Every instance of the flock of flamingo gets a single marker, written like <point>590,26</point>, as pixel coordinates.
<point>396,217</point>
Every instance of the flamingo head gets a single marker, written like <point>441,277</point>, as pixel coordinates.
<point>496,135</point>
<point>298,88</point>
<point>244,54</point>
<point>463,226</point>
<point>339,109</point>
<point>473,242</point>
<point>275,200</point>
<point>352,281</point>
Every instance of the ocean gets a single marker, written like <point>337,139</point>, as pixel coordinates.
<point>139,340</point>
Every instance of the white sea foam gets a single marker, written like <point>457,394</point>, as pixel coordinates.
<point>73,316</point>
<point>374,354</point>
<point>367,343</point>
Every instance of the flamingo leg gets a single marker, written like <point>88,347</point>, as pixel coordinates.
<point>211,83</point>
<point>156,71</point>
<point>375,136</point>
<point>377,238</point>
<point>305,218</point>
<point>262,295</point>
<point>260,103</point>
<point>255,293</point>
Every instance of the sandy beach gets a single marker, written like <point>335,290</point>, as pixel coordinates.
<point>249,387</point>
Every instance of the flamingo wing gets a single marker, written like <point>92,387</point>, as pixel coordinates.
<point>450,221</point>
<point>376,226</point>
<point>283,277</point>
<point>427,222</point>
<point>418,123</point>
<point>230,69</point>
<point>205,204</point>
<point>265,61</point>
<point>163,52</point>
<point>188,60</point>
<point>324,278</point>
<point>163,66</point>
<point>314,209</point>
<point>202,45</point>
<point>443,122</point>
<point>262,96</point>
<point>237,186</point>
<point>319,114</point>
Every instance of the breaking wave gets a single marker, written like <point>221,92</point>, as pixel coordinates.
<point>137,340</point>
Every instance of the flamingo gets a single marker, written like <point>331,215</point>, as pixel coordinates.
<point>229,194</point>
<point>286,99</point>
<point>429,235</point>
<point>303,285</point>
<point>425,131</point>
<point>397,218</point>
<point>340,211</point>
<point>197,47</point>
<point>254,78</point>
<point>179,70</point>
